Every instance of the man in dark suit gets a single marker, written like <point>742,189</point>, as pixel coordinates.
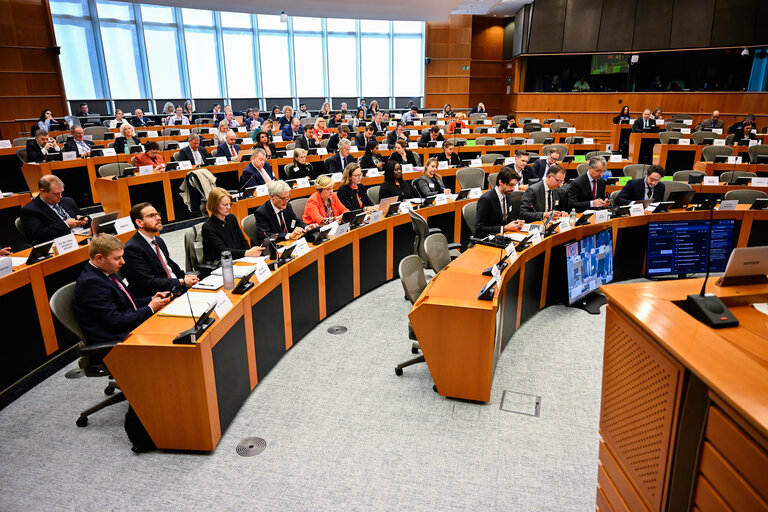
<point>644,123</point>
<point>258,172</point>
<point>148,264</point>
<point>293,129</point>
<point>78,143</point>
<point>712,122</point>
<point>546,197</point>
<point>378,123</point>
<point>50,215</point>
<point>333,142</point>
<point>275,218</point>
<point>521,166</point>
<point>361,139</point>
<point>229,149</point>
<point>540,167</point>
<point>493,208</point>
<point>138,120</point>
<point>104,307</point>
<point>433,135</point>
<point>339,161</point>
<point>308,140</point>
<point>194,153</point>
<point>217,114</point>
<point>588,190</point>
<point>397,133</point>
<point>39,147</point>
<point>648,187</point>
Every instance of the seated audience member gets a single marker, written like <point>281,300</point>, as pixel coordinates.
<point>264,142</point>
<point>457,124</point>
<point>78,143</point>
<point>448,155</point>
<point>657,114</point>
<point>397,134</point>
<point>623,115</point>
<point>359,120</point>
<point>546,197</point>
<point>394,184</point>
<point>325,110</point>
<point>229,117</point>
<point>363,104</point>
<point>362,139</point>
<point>320,127</point>
<point>252,120</point>
<point>411,116</point>
<point>402,155</point>
<point>555,85</point>
<point>193,153</point>
<point>229,148</point>
<point>323,206</point>
<point>378,123</point>
<point>221,232</point>
<point>292,130</point>
<point>447,110</point>
<point>712,122</point>
<point>522,168</point>
<point>287,116</point>
<point>138,118</point>
<point>588,190</point>
<point>303,113</point>
<point>150,156</point>
<point>385,118</point>
<point>168,109</point>
<point>372,159</point>
<point>340,161</point>
<point>221,134</point>
<point>39,147</point>
<point>47,121</point>
<point>275,115</point>
<point>5,251</point>
<point>352,192</point>
<point>275,217</point>
<point>479,109</point>
<point>494,209</point>
<point>258,171</point>
<point>119,120</point>
<point>541,166</point>
<point>644,123</point>
<point>86,117</point>
<point>336,120</point>
<point>373,109</point>
<point>309,140</point>
<point>50,215</point>
<point>148,264</point>
<point>743,129</point>
<point>178,118</point>
<point>432,135</point>
<point>127,141</point>
<point>581,85</point>
<point>342,134</point>
<point>508,125</point>
<point>218,115</point>
<point>105,309</point>
<point>343,109</point>
<point>648,187</point>
<point>188,110</point>
<point>430,182</point>
<point>301,169</point>
<point>268,127</point>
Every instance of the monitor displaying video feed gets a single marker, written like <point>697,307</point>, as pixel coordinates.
<point>681,247</point>
<point>589,264</point>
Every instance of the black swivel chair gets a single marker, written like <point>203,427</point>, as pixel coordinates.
<point>414,281</point>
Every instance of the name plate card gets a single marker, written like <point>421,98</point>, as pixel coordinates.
<point>685,131</point>
<point>729,204</point>
<point>440,199</point>
<point>760,182</point>
<point>754,142</point>
<point>277,138</point>
<point>476,162</point>
<point>636,210</point>
<point>413,145</point>
<point>413,133</point>
<point>499,142</point>
<point>375,216</point>
<point>475,193</point>
<point>147,169</point>
<point>571,129</point>
<point>509,160</point>
<point>5,143</point>
<point>442,164</point>
<point>246,140</point>
<point>262,271</point>
<point>465,131</point>
<point>488,121</point>
<point>108,152</point>
<point>660,122</point>
<point>441,123</point>
<point>710,180</point>
<point>564,224</point>
<point>589,141</point>
<point>517,130</point>
<point>6,266</point>
<point>393,123</point>
<point>372,173</point>
<point>337,177</point>
<point>65,244</point>
<point>511,252</point>
<point>68,155</point>
<point>529,141</point>
<point>614,158</point>
<point>341,229</point>
<point>545,129</point>
<point>601,216</point>
<point>406,168</point>
<point>322,151</point>
<point>718,142</point>
<point>261,190</point>
<point>535,237</point>
<point>183,145</point>
<point>496,273</point>
<point>241,129</point>
<point>439,143</point>
<point>185,165</point>
<point>688,122</point>
<point>223,304</point>
<point>123,225</point>
<point>302,182</point>
<point>353,149</point>
<point>684,142</point>
<point>184,132</point>
<point>718,131</point>
<point>491,130</point>
<point>221,160</point>
<point>535,121</point>
<point>301,247</point>
<point>289,153</point>
<point>734,159</point>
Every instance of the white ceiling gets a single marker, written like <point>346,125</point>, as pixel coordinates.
<point>422,10</point>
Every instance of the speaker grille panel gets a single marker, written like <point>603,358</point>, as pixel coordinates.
<point>639,402</point>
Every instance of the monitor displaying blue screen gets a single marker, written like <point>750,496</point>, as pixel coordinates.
<point>681,247</point>
<point>589,264</point>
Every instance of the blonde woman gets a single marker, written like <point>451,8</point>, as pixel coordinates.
<point>430,182</point>
<point>320,127</point>
<point>323,206</point>
<point>325,111</point>
<point>129,139</point>
<point>221,135</point>
<point>287,116</point>
<point>221,232</point>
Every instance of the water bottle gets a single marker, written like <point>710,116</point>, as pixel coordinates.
<point>226,270</point>
<point>573,217</point>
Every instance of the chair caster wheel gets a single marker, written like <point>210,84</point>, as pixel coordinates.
<point>434,388</point>
<point>109,391</point>
<point>414,350</point>
<point>398,371</point>
<point>82,421</point>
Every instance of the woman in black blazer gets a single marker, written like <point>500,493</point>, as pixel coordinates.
<point>394,184</point>
<point>372,159</point>
<point>401,154</point>
<point>262,141</point>
<point>301,169</point>
<point>127,140</point>
<point>623,115</point>
<point>430,182</point>
<point>448,155</point>
<point>352,193</point>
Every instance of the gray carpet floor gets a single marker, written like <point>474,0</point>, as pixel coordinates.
<point>342,431</point>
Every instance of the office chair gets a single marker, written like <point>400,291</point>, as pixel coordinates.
<point>298,205</point>
<point>492,179</point>
<point>732,176</point>
<point>112,169</point>
<point>757,149</point>
<point>745,196</point>
<point>422,231</point>
<point>558,125</point>
<point>20,141</point>
<point>511,141</point>
<point>373,193</point>
<point>540,137</point>
<point>414,281</point>
<point>582,168</point>
<point>686,175</point>
<point>664,137</point>
<point>674,186</point>
<point>20,227</point>
<point>249,227</point>
<point>597,153</point>
<point>62,306</point>
<point>470,177</point>
<point>22,154</point>
<point>562,149</point>
<point>709,153</point>
<point>469,214</point>
<point>698,137</point>
<point>490,158</point>
<point>193,252</point>
<point>438,255</point>
<point>635,170</point>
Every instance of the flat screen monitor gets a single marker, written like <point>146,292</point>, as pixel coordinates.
<point>680,247</point>
<point>589,264</point>
<point>609,64</point>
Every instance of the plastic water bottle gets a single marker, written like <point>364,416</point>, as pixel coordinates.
<point>226,270</point>
<point>573,217</point>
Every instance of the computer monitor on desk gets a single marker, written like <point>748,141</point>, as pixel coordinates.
<point>680,247</point>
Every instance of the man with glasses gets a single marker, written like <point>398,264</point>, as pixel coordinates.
<point>258,172</point>
<point>647,187</point>
<point>541,167</point>
<point>546,197</point>
<point>78,143</point>
<point>275,217</point>
<point>50,215</point>
<point>148,264</point>
<point>588,190</point>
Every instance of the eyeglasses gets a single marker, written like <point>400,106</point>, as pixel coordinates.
<point>226,205</point>
<point>284,198</point>
<point>557,180</point>
<point>357,175</point>
<point>152,215</point>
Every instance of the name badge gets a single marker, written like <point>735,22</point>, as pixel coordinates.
<point>476,162</point>
<point>491,130</point>
<point>589,141</point>
<point>685,131</point>
<point>372,173</point>
<point>68,155</point>
<point>636,210</point>
<point>710,180</point>
<point>683,142</point>
<point>261,190</point>
<point>262,271</point>
<point>277,138</point>
<point>376,216</point>
<point>475,193</point>
<point>184,132</point>
<point>108,152</point>
<point>601,216</point>
<point>442,164</point>
<point>302,182</point>
<point>407,168</point>
<point>465,131</point>
<point>535,237</point>
<point>689,122</point>
<point>614,158</point>
<point>223,304</point>
<point>440,199</point>
<point>718,142</point>
<point>65,244</point>
<point>718,131</point>
<point>545,129</point>
<point>301,247</point>
<point>322,151</point>
<point>145,169</point>
<point>185,165</point>
<point>760,182</point>
<point>221,160</point>
<point>337,177</point>
<point>729,204</point>
<point>6,266</point>
<point>571,129</point>
<point>123,225</point>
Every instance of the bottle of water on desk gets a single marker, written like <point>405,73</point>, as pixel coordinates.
<point>227,272</point>
<point>573,217</point>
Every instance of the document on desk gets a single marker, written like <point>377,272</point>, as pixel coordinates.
<point>210,283</point>
<point>181,306</point>
<point>239,270</point>
<point>761,307</point>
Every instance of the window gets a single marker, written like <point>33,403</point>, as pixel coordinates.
<point>308,65</point>
<point>374,27</point>
<point>407,27</point>
<point>79,68</point>
<point>306,24</point>
<point>275,76</point>
<point>339,25</point>
<point>201,63</point>
<point>342,69</point>
<point>375,66</point>
<point>238,55</point>
<point>156,14</point>
<point>197,17</point>
<point>235,20</point>
<point>121,58</point>
<point>407,56</point>
<point>69,7</point>
<point>269,22</point>
<point>162,57</point>
<point>115,11</point>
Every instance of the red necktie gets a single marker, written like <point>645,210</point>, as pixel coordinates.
<point>594,189</point>
<point>160,257</point>
<point>120,285</point>
<point>232,149</point>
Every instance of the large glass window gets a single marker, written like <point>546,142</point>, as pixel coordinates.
<point>275,72</point>
<point>162,57</point>
<point>241,74</point>
<point>308,63</point>
<point>407,56</point>
<point>201,63</point>
<point>374,66</point>
<point>342,70</point>
<point>79,67</point>
<point>121,57</point>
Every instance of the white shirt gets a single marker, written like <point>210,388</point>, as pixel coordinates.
<point>151,242</point>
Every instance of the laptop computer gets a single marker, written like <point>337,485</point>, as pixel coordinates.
<point>98,224</point>
<point>746,265</point>
<point>759,204</point>
<point>385,202</point>
<point>680,198</point>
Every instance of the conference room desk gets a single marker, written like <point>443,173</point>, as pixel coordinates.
<point>675,157</point>
<point>461,337</point>
<point>700,190</point>
<point>713,169</point>
<point>32,337</point>
<point>684,416</point>
<point>187,395</point>
<point>10,209</point>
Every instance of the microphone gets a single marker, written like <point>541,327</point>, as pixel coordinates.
<point>239,190</point>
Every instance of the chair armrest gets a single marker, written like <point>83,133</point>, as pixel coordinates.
<point>432,231</point>
<point>98,348</point>
<point>454,246</point>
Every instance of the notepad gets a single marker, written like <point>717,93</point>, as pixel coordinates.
<point>200,303</point>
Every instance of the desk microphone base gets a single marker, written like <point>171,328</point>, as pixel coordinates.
<point>189,337</point>
<point>710,310</point>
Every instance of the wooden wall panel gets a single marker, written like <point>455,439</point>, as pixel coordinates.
<point>687,14</point>
<point>653,20</point>
<point>447,67</point>
<point>447,86</point>
<point>547,26</point>
<point>487,37</point>
<point>581,17</point>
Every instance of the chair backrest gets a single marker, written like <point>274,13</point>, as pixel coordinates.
<point>61,139</point>
<point>563,149</point>
<point>298,205</point>
<point>490,158</point>
<point>680,117</point>
<point>420,230</point>
<point>469,214</point>
<point>482,141</point>
<point>72,121</point>
<point>581,169</point>
<point>97,132</point>
<point>698,137</point>
<point>215,153</point>
<point>745,196</point>
<point>474,118</point>
<point>664,137</point>
<point>169,132</point>
<point>20,141</point>
<point>597,153</point>
<point>510,141</point>
<point>290,146</point>
<point>20,227</point>
<point>470,177</point>
<point>674,186</point>
<point>324,143</point>
<point>613,196</point>
<point>557,125</point>
<point>481,129</point>
<point>757,149</point>
<point>685,175</point>
<point>635,170</point>
<point>457,140</point>
<point>417,158</point>
<point>412,276</point>
<point>175,156</point>
<point>373,193</point>
<point>675,126</point>
<point>249,226</point>
<point>112,169</point>
<point>531,127</point>
<point>193,247</point>
<point>539,137</point>
<point>709,153</point>
<point>204,120</point>
<point>492,179</point>
<point>63,307</point>
<point>288,170</point>
<point>731,176</point>
<point>498,119</point>
<point>22,155</point>
<point>729,139</point>
<point>436,247</point>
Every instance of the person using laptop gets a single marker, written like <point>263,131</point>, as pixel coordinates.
<point>432,136</point>
<point>648,187</point>
<point>397,134</point>
<point>494,208</point>
<point>372,159</point>
<point>448,155</point>
<point>50,215</point>
<point>177,118</point>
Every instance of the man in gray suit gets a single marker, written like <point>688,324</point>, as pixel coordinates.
<point>713,122</point>
<point>545,197</point>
